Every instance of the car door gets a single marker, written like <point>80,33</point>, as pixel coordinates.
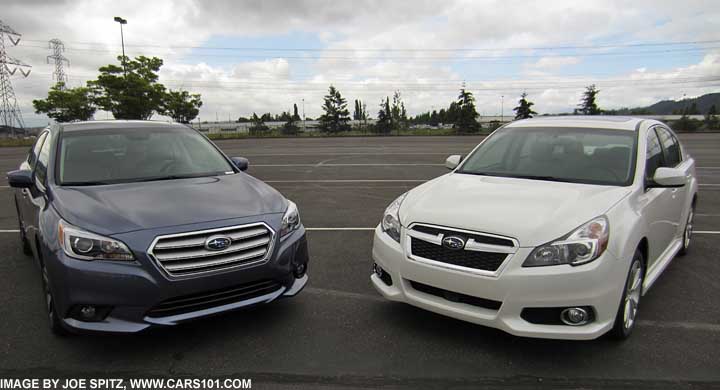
<point>659,202</point>
<point>673,157</point>
<point>23,196</point>
<point>36,199</point>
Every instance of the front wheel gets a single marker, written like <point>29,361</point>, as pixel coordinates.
<point>626,317</point>
<point>55,322</point>
<point>687,234</point>
<point>23,237</point>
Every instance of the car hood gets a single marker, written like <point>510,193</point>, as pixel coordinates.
<point>120,208</point>
<point>532,211</point>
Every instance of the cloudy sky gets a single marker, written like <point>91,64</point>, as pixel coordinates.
<point>263,56</point>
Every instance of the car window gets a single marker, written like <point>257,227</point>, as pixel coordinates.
<point>42,163</point>
<point>671,147</point>
<point>576,155</point>
<point>32,156</point>
<point>654,155</point>
<point>126,155</point>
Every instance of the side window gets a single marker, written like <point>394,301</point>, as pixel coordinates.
<point>671,147</point>
<point>43,160</point>
<point>654,156</point>
<point>32,156</point>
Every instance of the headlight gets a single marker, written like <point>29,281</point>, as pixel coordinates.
<point>84,245</point>
<point>291,220</point>
<point>391,218</point>
<point>580,246</point>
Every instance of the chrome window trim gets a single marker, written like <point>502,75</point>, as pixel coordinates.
<point>170,276</point>
<point>475,246</point>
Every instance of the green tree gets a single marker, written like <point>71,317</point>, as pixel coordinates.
<point>296,117</point>
<point>132,95</point>
<point>336,116</point>
<point>181,106</point>
<point>257,125</point>
<point>588,105</point>
<point>397,111</point>
<point>384,122</point>
<point>524,109</point>
<point>289,127</point>
<point>464,113</point>
<point>711,119</point>
<point>66,104</point>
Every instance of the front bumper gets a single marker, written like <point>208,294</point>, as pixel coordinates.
<point>134,290</point>
<point>598,284</point>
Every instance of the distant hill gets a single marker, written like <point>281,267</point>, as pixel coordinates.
<point>670,107</point>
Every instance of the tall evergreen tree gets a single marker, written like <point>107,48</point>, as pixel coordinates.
<point>384,122</point>
<point>524,109</point>
<point>587,105</point>
<point>711,119</point>
<point>336,116</point>
<point>465,114</point>
<point>357,112</point>
<point>295,112</point>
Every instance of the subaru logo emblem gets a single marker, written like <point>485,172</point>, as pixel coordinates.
<point>217,243</point>
<point>453,242</point>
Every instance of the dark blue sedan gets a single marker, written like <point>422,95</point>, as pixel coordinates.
<point>136,223</point>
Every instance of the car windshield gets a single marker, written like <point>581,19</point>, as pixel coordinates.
<point>95,157</point>
<point>577,155</point>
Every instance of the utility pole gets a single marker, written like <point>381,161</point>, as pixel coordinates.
<point>59,59</point>
<point>303,104</point>
<point>10,115</point>
<point>122,41</point>
<point>502,108</point>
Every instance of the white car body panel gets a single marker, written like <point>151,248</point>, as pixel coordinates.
<point>535,212</point>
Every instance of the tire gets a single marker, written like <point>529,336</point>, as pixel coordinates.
<point>23,238</point>
<point>687,233</point>
<point>626,316</point>
<point>55,322</point>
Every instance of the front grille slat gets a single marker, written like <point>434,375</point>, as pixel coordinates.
<point>205,300</point>
<point>197,253</point>
<point>232,258</point>
<point>185,253</point>
<point>485,259</point>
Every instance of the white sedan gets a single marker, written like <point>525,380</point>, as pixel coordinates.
<point>551,227</point>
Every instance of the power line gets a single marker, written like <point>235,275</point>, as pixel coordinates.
<point>315,49</point>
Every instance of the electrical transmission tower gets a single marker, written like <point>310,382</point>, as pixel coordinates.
<point>59,59</point>
<point>10,116</point>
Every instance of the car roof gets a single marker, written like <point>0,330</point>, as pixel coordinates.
<point>118,124</point>
<point>584,121</point>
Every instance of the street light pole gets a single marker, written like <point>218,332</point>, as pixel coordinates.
<point>122,40</point>
<point>502,108</point>
<point>303,104</point>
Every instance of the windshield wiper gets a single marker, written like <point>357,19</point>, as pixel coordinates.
<point>529,177</point>
<point>87,183</point>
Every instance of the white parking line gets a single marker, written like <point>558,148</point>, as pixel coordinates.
<point>10,231</point>
<point>347,181</point>
<point>348,165</point>
<point>349,229</point>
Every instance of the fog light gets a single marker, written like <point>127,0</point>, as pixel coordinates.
<point>574,316</point>
<point>378,270</point>
<point>300,270</point>
<point>88,312</point>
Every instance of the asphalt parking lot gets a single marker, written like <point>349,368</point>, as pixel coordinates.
<point>339,333</point>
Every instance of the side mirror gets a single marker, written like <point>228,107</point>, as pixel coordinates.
<point>20,179</point>
<point>668,177</point>
<point>241,162</point>
<point>453,161</point>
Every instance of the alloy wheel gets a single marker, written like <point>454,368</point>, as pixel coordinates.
<point>632,295</point>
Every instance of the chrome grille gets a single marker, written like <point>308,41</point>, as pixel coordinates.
<point>482,253</point>
<point>186,253</point>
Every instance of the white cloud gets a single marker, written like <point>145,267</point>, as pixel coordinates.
<point>241,84</point>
